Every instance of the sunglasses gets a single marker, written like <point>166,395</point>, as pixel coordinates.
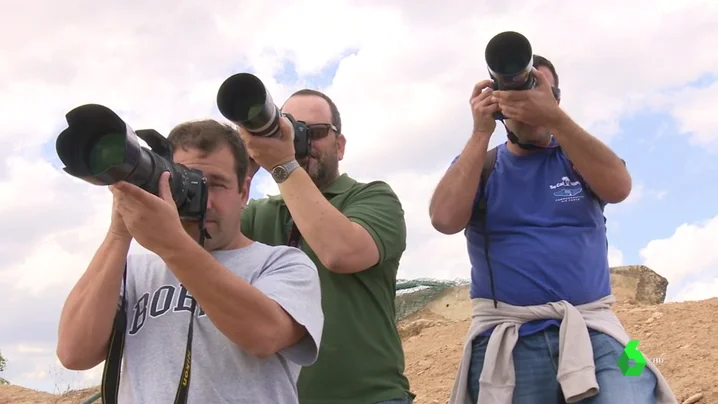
<point>318,131</point>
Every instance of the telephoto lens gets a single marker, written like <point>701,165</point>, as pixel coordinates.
<point>100,148</point>
<point>244,100</point>
<point>509,58</point>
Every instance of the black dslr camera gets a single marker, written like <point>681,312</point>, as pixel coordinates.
<point>509,59</point>
<point>100,148</point>
<point>244,100</point>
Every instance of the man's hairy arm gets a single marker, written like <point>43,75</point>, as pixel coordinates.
<point>89,311</point>
<point>452,202</point>
<point>605,173</point>
<point>343,246</point>
<point>245,315</point>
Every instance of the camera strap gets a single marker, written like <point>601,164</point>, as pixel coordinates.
<point>488,168</point>
<point>515,139</point>
<point>294,236</point>
<point>113,362</point>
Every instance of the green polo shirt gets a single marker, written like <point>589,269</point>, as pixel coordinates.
<point>361,360</point>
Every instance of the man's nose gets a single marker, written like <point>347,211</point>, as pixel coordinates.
<point>210,203</point>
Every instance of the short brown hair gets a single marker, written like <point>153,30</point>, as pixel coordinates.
<point>209,135</point>
<point>333,110</point>
<point>542,61</point>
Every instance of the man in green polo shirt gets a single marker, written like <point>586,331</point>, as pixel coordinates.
<point>355,233</point>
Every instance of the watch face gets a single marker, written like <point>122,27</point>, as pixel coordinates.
<point>279,173</point>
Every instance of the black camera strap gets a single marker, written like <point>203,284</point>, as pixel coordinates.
<point>489,162</point>
<point>294,236</point>
<point>515,139</point>
<point>113,362</point>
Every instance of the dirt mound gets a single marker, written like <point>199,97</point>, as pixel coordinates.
<point>678,337</point>
<point>10,394</point>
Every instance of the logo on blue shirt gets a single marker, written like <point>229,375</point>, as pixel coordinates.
<point>567,190</point>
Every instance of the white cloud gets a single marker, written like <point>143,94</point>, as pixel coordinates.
<point>700,124</point>
<point>690,252</point>
<point>701,290</point>
<point>615,257</point>
<point>639,193</point>
<point>264,184</point>
<point>403,94</point>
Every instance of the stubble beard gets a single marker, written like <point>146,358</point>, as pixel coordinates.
<point>323,172</point>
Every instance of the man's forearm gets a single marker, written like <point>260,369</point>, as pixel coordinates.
<point>240,311</point>
<point>89,311</point>
<point>452,202</point>
<point>331,235</point>
<point>602,169</point>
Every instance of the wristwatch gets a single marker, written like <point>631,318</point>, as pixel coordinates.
<point>281,172</point>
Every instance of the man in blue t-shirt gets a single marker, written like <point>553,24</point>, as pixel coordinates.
<point>544,214</point>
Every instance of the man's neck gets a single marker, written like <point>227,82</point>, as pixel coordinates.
<point>517,150</point>
<point>322,187</point>
<point>239,241</point>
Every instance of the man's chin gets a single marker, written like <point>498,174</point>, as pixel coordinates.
<point>535,135</point>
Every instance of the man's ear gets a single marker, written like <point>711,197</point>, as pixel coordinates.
<point>244,191</point>
<point>341,144</point>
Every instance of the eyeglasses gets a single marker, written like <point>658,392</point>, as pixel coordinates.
<point>318,131</point>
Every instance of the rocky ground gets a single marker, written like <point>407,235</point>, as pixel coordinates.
<point>680,336</point>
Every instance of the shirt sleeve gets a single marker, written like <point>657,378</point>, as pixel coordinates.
<point>378,210</point>
<point>291,279</point>
<point>583,181</point>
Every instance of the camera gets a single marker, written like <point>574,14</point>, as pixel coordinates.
<point>244,100</point>
<point>100,148</point>
<point>509,59</point>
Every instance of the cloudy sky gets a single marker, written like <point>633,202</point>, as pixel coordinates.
<point>640,75</point>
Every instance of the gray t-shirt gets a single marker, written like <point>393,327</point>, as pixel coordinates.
<point>158,310</point>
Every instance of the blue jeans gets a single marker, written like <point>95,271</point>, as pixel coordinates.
<point>536,363</point>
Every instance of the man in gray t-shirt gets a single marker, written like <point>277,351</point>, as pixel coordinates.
<point>257,309</point>
<point>158,316</point>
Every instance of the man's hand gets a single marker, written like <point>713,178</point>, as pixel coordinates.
<point>270,152</point>
<point>536,107</point>
<point>117,224</point>
<point>483,108</point>
<point>153,221</point>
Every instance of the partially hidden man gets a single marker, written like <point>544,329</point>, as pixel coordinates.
<point>355,233</point>
<point>256,308</point>
<point>542,328</point>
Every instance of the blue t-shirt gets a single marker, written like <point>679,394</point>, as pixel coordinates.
<point>547,235</point>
